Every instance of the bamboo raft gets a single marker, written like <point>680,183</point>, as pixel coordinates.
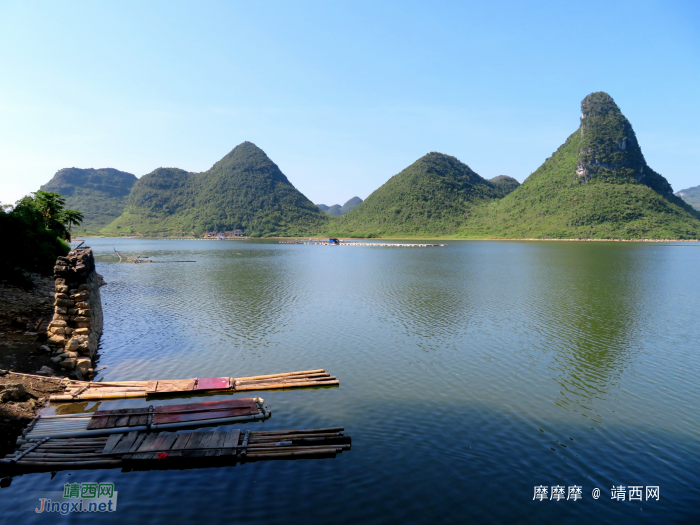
<point>97,391</point>
<point>105,422</point>
<point>165,450</point>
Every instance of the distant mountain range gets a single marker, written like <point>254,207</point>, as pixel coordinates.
<point>691,196</point>
<point>337,209</point>
<point>433,196</point>
<point>245,190</point>
<point>596,185</point>
<point>100,194</point>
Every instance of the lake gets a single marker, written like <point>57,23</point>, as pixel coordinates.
<point>469,375</point>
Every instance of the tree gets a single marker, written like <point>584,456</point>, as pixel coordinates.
<point>71,217</point>
<point>51,207</point>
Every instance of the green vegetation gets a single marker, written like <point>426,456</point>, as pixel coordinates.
<point>433,196</point>
<point>99,194</point>
<point>596,185</point>
<point>245,189</point>
<point>691,196</point>
<point>337,209</point>
<point>504,184</point>
<point>35,231</point>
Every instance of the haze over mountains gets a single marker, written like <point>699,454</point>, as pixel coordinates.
<point>596,185</point>
<point>337,209</point>
<point>691,196</point>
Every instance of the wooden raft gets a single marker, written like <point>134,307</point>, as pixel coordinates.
<point>105,422</point>
<point>96,391</point>
<point>164,450</point>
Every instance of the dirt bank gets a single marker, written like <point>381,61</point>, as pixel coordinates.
<point>25,311</point>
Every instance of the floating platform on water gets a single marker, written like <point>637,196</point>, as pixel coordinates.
<point>96,391</point>
<point>174,450</point>
<point>105,422</point>
<point>332,242</point>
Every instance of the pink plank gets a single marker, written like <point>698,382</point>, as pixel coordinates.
<point>213,383</point>
<point>200,416</point>
<point>208,405</point>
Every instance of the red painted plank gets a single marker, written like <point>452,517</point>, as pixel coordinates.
<point>208,405</point>
<point>213,383</point>
<point>161,418</point>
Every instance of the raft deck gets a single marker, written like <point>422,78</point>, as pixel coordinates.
<point>165,450</point>
<point>105,422</point>
<point>96,391</point>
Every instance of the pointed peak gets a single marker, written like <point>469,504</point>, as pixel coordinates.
<point>246,154</point>
<point>597,105</point>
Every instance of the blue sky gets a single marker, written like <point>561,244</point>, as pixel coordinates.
<point>341,95</point>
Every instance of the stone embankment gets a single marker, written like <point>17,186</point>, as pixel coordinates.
<point>76,327</point>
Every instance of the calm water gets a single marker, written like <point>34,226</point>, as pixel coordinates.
<point>469,374</point>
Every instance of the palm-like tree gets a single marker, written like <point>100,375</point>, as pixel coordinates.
<point>51,207</point>
<point>71,217</point>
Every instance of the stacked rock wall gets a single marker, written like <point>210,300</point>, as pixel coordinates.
<point>77,320</point>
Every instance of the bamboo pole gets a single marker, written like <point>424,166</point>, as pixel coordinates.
<point>279,375</point>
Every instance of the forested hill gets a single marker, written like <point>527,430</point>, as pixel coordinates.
<point>100,194</point>
<point>245,189</point>
<point>691,196</point>
<point>433,196</point>
<point>596,185</point>
<point>337,209</point>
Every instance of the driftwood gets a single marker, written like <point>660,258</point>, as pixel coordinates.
<point>140,259</point>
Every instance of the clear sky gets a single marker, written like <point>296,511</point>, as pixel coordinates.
<point>341,95</point>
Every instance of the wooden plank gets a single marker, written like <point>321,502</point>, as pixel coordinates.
<point>145,446</point>
<point>162,442</point>
<point>160,419</point>
<point>111,421</point>
<point>126,443</point>
<point>137,443</point>
<point>111,443</point>
<point>205,443</point>
<point>169,441</point>
<point>151,387</point>
<point>206,405</point>
<point>216,442</point>
<point>151,439</point>
<point>213,383</point>
<point>175,385</point>
<point>193,443</point>
<point>180,444</point>
<point>123,421</point>
<point>97,423</point>
<point>138,421</point>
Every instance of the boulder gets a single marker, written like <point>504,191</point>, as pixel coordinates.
<point>68,363</point>
<point>83,364</point>
<point>45,371</point>
<point>63,302</point>
<point>57,339</point>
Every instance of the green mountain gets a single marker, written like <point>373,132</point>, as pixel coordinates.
<point>245,189</point>
<point>350,205</point>
<point>337,209</point>
<point>99,194</point>
<point>504,184</point>
<point>433,196</point>
<point>596,185</point>
<point>691,196</point>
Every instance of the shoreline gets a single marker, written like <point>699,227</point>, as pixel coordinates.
<point>370,239</point>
